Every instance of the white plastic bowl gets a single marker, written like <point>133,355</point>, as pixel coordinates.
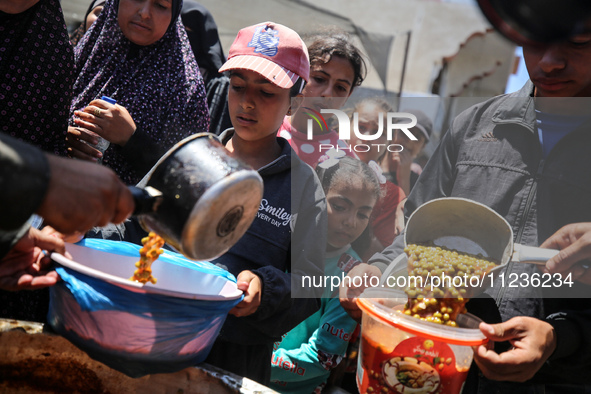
<point>136,328</point>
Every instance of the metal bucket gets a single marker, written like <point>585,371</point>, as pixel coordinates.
<point>198,198</point>
<point>470,227</point>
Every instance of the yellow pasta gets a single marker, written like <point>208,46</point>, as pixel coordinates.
<point>150,251</point>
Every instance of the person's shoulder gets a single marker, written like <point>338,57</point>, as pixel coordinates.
<point>509,104</point>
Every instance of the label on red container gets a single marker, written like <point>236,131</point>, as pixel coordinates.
<point>416,365</point>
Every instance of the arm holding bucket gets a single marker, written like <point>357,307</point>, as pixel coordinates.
<point>533,342</point>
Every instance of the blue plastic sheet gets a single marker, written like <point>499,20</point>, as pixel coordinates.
<point>136,333</point>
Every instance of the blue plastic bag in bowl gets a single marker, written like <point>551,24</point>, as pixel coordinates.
<point>133,328</point>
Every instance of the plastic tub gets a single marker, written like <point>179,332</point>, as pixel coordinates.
<point>134,328</point>
<point>403,354</point>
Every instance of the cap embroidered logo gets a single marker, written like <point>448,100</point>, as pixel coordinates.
<point>265,40</point>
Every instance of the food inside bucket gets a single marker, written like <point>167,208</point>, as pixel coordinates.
<point>442,280</point>
<point>151,250</point>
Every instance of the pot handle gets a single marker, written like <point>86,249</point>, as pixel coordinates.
<point>532,254</point>
<point>146,200</point>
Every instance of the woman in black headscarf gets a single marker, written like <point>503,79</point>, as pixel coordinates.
<point>92,13</point>
<point>205,42</point>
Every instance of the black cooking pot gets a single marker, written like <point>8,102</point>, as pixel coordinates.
<point>198,198</point>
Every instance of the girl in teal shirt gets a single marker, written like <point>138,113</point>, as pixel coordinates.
<point>303,359</point>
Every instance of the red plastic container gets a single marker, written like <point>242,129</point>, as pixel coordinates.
<point>403,354</point>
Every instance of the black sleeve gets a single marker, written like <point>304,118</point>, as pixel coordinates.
<point>24,179</point>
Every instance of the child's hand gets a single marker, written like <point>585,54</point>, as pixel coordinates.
<point>347,294</point>
<point>252,287</point>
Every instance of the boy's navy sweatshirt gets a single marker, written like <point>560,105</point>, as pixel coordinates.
<point>286,240</point>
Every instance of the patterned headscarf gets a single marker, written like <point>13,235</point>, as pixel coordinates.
<point>159,84</point>
<point>36,76</point>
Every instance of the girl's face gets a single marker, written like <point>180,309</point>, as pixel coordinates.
<point>91,18</point>
<point>349,210</point>
<point>144,22</point>
<point>369,123</point>
<point>332,81</point>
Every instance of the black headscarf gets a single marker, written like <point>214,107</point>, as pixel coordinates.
<point>92,6</point>
<point>205,43</point>
<point>77,34</point>
<point>204,38</point>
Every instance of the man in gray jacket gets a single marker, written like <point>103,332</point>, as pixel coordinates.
<point>526,156</point>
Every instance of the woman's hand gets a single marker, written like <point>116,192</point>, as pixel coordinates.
<point>79,141</point>
<point>110,121</point>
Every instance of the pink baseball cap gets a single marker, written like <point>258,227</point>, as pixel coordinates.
<point>272,50</point>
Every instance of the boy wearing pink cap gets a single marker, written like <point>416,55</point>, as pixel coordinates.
<point>268,66</point>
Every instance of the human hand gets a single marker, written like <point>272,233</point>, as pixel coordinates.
<point>69,238</point>
<point>24,267</point>
<point>533,343</point>
<point>82,195</point>
<point>111,121</point>
<point>252,287</point>
<point>79,141</point>
<point>348,294</point>
<point>574,243</point>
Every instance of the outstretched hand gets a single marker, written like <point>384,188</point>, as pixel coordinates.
<point>574,243</point>
<point>25,267</point>
<point>252,287</point>
<point>348,294</point>
<point>533,343</point>
<point>82,195</point>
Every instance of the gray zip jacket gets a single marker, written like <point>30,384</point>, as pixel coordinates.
<point>492,155</point>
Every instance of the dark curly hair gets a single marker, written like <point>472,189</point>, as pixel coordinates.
<point>332,42</point>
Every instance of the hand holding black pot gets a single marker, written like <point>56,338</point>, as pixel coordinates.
<point>198,198</point>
